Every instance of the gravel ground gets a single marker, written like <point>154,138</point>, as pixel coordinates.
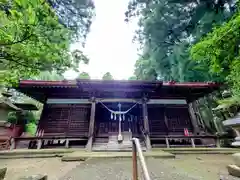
<point>190,167</point>
<point>53,167</point>
<point>184,167</point>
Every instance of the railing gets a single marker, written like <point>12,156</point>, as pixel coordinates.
<point>192,139</point>
<point>136,149</point>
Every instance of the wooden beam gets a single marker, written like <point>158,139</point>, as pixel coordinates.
<point>167,101</point>
<point>91,125</point>
<point>119,100</point>
<point>146,124</point>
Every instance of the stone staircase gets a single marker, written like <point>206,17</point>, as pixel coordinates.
<point>112,143</point>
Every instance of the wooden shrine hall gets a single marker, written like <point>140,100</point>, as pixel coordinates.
<point>105,115</point>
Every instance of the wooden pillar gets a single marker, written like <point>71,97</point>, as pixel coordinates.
<point>193,117</point>
<point>166,119</point>
<point>91,125</point>
<point>146,123</point>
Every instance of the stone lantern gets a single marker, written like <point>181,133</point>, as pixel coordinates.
<point>234,169</point>
<point>234,123</point>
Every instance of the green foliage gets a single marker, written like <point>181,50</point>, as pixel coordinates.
<point>167,31</point>
<point>76,15</point>
<point>175,45</point>
<point>31,128</point>
<point>49,76</point>
<point>220,49</point>
<point>84,75</point>
<point>107,76</point>
<point>132,78</point>
<point>12,118</point>
<point>32,39</point>
<point>22,118</point>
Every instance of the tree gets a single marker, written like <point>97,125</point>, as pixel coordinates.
<point>132,78</point>
<point>220,49</point>
<point>33,39</point>
<point>167,31</point>
<point>76,15</point>
<point>49,76</point>
<point>107,76</point>
<point>168,28</point>
<point>84,75</point>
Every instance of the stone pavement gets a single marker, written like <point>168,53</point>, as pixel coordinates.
<point>121,169</point>
<point>80,155</point>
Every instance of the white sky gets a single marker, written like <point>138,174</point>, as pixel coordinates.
<point>109,44</point>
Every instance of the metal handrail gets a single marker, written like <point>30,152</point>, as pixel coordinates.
<point>136,148</point>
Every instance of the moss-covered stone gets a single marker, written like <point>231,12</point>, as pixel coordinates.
<point>3,173</point>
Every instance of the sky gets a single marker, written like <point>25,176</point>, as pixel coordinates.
<point>109,44</point>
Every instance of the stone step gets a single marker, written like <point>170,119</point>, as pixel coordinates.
<point>114,147</point>
<point>101,140</point>
<point>112,143</point>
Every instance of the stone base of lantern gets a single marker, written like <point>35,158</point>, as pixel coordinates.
<point>234,169</point>
<point>236,143</point>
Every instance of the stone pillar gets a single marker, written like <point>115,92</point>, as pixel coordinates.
<point>193,117</point>
<point>91,125</point>
<point>146,123</point>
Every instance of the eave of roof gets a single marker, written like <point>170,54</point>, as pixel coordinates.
<point>75,83</point>
<point>193,90</point>
<point>26,106</point>
<point>8,105</point>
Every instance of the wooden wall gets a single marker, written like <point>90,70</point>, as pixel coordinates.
<point>67,119</point>
<point>73,120</point>
<point>164,120</point>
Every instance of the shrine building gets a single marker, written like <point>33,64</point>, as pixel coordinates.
<point>106,114</point>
